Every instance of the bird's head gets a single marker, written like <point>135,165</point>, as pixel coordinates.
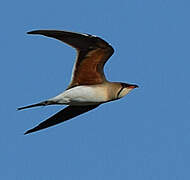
<point>125,88</point>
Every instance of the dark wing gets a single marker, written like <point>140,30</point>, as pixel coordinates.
<point>63,115</point>
<point>92,54</point>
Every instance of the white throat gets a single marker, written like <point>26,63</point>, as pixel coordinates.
<point>124,92</point>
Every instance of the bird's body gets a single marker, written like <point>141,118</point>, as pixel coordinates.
<point>89,94</point>
<point>88,88</point>
<point>83,95</point>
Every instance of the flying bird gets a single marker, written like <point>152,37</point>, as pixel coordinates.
<point>89,87</point>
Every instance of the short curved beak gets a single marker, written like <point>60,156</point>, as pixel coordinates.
<point>133,86</point>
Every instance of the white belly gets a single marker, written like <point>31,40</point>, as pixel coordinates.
<point>82,95</point>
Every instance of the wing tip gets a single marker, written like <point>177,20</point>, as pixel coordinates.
<point>33,32</point>
<point>20,108</point>
<point>29,131</point>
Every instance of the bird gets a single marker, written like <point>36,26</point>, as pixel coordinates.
<point>88,87</point>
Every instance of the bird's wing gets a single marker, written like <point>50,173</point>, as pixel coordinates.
<point>92,54</point>
<point>63,115</point>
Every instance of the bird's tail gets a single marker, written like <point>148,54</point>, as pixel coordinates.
<point>43,103</point>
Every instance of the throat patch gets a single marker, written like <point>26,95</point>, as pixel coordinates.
<point>119,91</point>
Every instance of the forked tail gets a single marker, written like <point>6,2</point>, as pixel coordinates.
<point>43,103</point>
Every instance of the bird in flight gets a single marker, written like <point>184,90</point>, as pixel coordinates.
<point>89,87</point>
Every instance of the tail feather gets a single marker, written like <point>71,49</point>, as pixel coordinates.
<point>43,103</point>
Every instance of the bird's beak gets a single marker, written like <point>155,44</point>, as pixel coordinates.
<point>132,86</point>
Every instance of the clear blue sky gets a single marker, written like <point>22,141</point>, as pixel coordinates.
<point>144,136</point>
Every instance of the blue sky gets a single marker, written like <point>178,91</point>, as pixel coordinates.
<point>145,135</point>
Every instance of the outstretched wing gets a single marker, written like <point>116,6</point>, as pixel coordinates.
<point>92,54</point>
<point>63,115</point>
